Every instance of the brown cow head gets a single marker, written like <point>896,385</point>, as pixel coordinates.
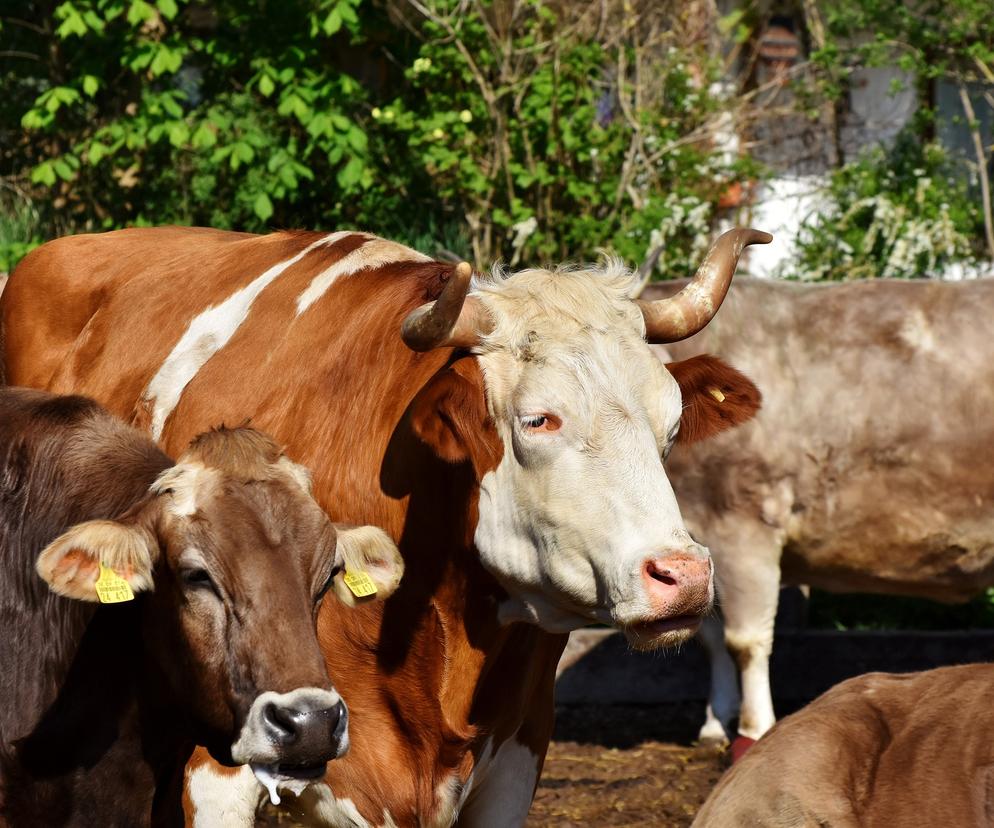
<point>236,556</point>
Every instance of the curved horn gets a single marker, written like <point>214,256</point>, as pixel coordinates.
<point>451,321</point>
<point>683,315</point>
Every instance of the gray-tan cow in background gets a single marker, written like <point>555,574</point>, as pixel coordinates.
<point>869,468</point>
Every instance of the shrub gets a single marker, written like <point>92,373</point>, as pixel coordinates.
<point>515,130</point>
<point>899,213</point>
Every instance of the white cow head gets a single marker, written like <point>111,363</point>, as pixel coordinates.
<point>577,519</point>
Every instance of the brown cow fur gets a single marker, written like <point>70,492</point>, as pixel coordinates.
<point>395,438</point>
<point>102,706</point>
<point>877,751</point>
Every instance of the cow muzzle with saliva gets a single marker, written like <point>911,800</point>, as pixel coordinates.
<point>288,738</point>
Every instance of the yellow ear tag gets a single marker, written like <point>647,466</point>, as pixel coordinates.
<point>112,588</point>
<point>714,392</point>
<point>359,583</point>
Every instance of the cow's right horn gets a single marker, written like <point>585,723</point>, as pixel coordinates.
<point>452,320</point>
<point>683,315</point>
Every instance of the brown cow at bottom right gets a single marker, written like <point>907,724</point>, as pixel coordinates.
<point>882,749</point>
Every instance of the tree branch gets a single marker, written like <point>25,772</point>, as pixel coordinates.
<point>978,148</point>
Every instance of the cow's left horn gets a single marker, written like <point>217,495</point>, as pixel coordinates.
<point>683,315</point>
<point>452,320</point>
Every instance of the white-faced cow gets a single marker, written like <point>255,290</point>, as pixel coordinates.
<point>877,751</point>
<point>867,469</point>
<point>212,570</point>
<point>508,432</point>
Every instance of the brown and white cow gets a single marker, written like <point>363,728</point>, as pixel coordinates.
<point>877,751</point>
<point>229,556</point>
<point>511,441</point>
<point>867,469</point>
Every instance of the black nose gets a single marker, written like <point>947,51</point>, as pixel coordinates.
<point>306,736</point>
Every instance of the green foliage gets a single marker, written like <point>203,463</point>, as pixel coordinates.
<point>539,142</point>
<point>929,39</point>
<point>171,111</point>
<point>900,213</point>
<point>529,134</point>
<point>18,229</point>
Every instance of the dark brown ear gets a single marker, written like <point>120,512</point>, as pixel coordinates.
<point>715,397</point>
<point>450,416</point>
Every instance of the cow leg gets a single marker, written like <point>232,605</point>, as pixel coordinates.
<point>502,788</point>
<point>748,573</point>
<point>220,797</point>
<point>724,699</point>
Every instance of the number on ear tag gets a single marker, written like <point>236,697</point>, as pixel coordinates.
<point>359,583</point>
<point>112,588</point>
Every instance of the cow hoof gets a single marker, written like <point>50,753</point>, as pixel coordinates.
<point>740,744</point>
<point>712,740</point>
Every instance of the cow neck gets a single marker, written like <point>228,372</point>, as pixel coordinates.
<point>109,717</point>
<point>453,680</point>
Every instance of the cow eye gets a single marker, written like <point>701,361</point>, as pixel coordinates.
<point>198,578</point>
<point>540,422</point>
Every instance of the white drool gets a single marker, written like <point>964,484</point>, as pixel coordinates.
<point>270,778</point>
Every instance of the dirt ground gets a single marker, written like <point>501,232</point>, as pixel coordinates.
<point>625,766</point>
<point>620,766</point>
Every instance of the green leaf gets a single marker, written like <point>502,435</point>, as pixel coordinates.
<point>262,206</point>
<point>96,152</point>
<point>357,139</point>
<point>44,173</point>
<point>349,175</point>
<point>168,8</point>
<point>179,133</point>
<point>72,22</point>
<point>90,85</point>
<point>171,105</point>
<point>166,60</point>
<point>36,119</point>
<point>332,23</point>
<point>203,137</point>
<point>266,86</point>
<point>62,169</point>
<point>139,12</point>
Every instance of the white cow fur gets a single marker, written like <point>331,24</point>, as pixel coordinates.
<point>568,519</point>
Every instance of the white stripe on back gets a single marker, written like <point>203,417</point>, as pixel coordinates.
<point>207,334</point>
<point>374,253</point>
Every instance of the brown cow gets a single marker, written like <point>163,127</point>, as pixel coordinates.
<point>102,705</point>
<point>877,751</point>
<point>507,431</point>
<point>865,471</point>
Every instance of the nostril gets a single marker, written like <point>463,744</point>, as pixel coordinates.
<point>660,572</point>
<point>279,723</point>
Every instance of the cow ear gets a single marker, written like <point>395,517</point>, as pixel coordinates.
<point>450,416</point>
<point>715,397</point>
<point>107,550</point>
<point>366,551</point>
